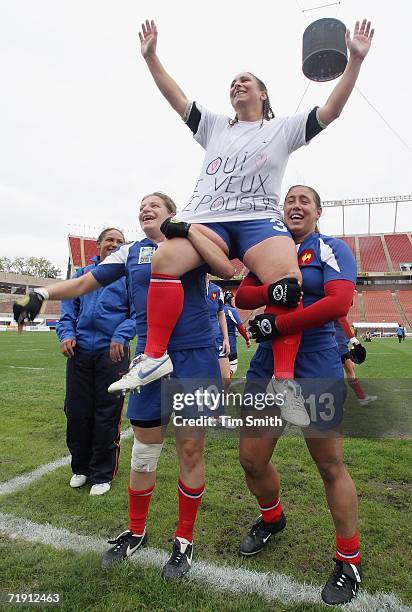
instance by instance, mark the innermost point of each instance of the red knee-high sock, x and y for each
(356, 386)
(189, 502)
(139, 502)
(164, 305)
(285, 348)
(272, 511)
(347, 549)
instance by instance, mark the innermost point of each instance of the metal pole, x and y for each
(343, 220)
(369, 219)
(396, 214)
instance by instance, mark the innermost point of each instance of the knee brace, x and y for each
(145, 456)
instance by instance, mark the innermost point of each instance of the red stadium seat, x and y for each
(400, 249)
(405, 299)
(380, 307)
(372, 254)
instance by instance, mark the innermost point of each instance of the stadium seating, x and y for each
(354, 313)
(372, 255)
(399, 248)
(350, 241)
(405, 299)
(52, 307)
(380, 307)
(81, 250)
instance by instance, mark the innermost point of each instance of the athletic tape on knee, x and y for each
(145, 456)
(233, 366)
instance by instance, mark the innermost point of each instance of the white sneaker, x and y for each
(143, 370)
(78, 480)
(100, 489)
(293, 409)
(224, 423)
(367, 400)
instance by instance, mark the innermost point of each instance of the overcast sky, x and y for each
(84, 134)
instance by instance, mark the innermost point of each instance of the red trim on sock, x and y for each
(356, 386)
(139, 502)
(271, 512)
(347, 549)
(165, 299)
(189, 502)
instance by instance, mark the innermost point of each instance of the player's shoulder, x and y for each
(337, 245)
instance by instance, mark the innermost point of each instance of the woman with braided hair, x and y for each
(235, 203)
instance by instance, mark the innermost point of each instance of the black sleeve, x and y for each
(194, 118)
(312, 125)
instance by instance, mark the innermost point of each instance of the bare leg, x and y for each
(339, 487)
(261, 475)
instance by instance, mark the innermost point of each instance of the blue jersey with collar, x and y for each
(133, 260)
(232, 321)
(96, 319)
(215, 305)
(321, 259)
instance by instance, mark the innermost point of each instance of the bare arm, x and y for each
(223, 327)
(358, 47)
(167, 86)
(72, 288)
(211, 253)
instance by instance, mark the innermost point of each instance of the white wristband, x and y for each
(187, 111)
(322, 125)
(42, 291)
(354, 341)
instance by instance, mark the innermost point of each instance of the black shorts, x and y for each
(345, 357)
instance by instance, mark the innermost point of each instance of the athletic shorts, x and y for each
(220, 353)
(240, 236)
(320, 376)
(191, 369)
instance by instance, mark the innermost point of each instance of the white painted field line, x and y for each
(29, 350)
(25, 480)
(271, 586)
(25, 368)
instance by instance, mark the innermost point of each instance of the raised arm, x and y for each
(167, 86)
(28, 307)
(358, 47)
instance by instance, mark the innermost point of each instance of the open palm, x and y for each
(360, 44)
(148, 38)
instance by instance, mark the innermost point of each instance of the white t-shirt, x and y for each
(243, 167)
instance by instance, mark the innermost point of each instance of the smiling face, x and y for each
(110, 241)
(247, 94)
(153, 211)
(301, 211)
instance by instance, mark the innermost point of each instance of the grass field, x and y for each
(33, 433)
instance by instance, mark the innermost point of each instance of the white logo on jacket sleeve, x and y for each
(328, 256)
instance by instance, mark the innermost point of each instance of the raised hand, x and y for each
(148, 38)
(360, 44)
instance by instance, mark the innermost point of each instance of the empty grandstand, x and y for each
(14, 285)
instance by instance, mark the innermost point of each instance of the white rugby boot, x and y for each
(143, 370)
(367, 400)
(293, 408)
